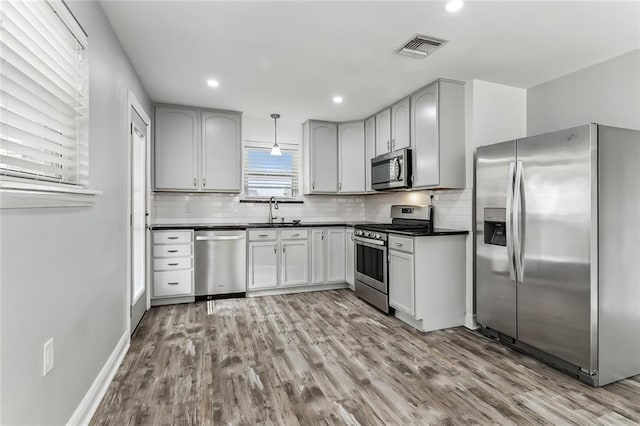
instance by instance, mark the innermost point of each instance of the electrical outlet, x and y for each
(47, 357)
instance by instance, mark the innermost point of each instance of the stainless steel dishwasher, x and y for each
(220, 262)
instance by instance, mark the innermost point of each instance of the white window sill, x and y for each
(19, 195)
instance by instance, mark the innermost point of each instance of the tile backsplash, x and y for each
(452, 208)
(171, 208)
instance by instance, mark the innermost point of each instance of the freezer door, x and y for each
(495, 286)
(552, 229)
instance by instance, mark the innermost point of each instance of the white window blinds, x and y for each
(266, 175)
(44, 93)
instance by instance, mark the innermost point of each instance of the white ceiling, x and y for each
(293, 57)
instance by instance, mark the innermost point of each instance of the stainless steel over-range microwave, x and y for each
(392, 170)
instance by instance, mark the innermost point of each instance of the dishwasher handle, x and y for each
(220, 238)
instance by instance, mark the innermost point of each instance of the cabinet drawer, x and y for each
(294, 234)
(170, 263)
(172, 250)
(400, 243)
(263, 235)
(172, 283)
(171, 237)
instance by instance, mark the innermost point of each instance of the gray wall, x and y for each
(606, 93)
(63, 269)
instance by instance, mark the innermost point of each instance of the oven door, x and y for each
(371, 263)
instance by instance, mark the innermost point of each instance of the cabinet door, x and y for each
(424, 134)
(295, 262)
(221, 152)
(351, 157)
(383, 132)
(263, 264)
(323, 140)
(335, 255)
(400, 130)
(349, 256)
(317, 256)
(175, 150)
(401, 282)
(369, 149)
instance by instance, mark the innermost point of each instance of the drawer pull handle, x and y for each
(173, 283)
(295, 235)
(399, 244)
(263, 235)
(173, 264)
(172, 251)
(172, 238)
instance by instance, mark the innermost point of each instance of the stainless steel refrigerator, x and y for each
(558, 248)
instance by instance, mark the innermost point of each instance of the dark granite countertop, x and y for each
(432, 233)
(228, 226)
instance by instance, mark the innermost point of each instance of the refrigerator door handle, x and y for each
(517, 222)
(509, 219)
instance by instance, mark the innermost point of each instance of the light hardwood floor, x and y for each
(327, 357)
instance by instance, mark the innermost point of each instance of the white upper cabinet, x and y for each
(221, 154)
(351, 157)
(400, 130)
(177, 137)
(369, 149)
(437, 135)
(321, 157)
(197, 150)
(383, 132)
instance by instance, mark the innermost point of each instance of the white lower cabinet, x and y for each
(335, 255)
(328, 256)
(280, 261)
(402, 292)
(318, 256)
(349, 257)
(172, 264)
(263, 264)
(427, 280)
(295, 263)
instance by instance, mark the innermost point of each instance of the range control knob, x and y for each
(367, 233)
(378, 236)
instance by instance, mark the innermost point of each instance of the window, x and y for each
(44, 96)
(267, 175)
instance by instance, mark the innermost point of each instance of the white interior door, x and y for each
(138, 211)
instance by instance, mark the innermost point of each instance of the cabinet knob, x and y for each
(204, 182)
(195, 182)
(340, 186)
(283, 249)
(275, 248)
(313, 186)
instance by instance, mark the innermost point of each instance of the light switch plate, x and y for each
(47, 357)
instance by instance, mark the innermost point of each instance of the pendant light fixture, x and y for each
(275, 150)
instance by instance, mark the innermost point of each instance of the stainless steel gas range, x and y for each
(371, 276)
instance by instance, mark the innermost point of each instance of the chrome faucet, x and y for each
(273, 203)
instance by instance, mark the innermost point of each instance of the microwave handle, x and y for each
(397, 167)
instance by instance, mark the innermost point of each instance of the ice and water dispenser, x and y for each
(495, 226)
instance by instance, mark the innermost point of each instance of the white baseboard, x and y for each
(470, 321)
(291, 290)
(91, 400)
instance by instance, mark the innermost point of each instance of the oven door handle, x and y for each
(368, 242)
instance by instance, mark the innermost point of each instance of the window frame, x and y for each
(26, 192)
(284, 146)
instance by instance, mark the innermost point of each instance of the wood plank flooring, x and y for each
(329, 358)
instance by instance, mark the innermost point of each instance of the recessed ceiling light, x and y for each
(337, 99)
(454, 5)
(213, 83)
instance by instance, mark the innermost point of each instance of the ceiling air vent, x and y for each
(420, 46)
